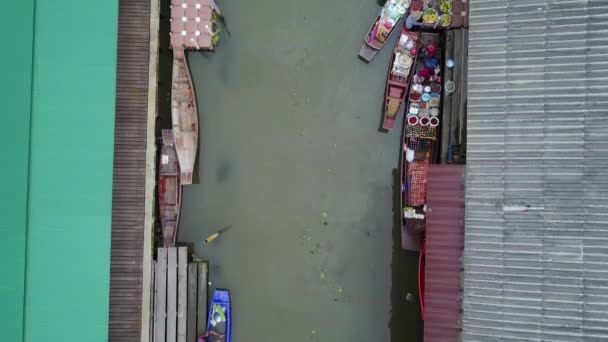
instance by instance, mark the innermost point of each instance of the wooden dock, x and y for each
(180, 297)
(134, 172)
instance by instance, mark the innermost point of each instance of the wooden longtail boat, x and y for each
(399, 76)
(184, 115)
(219, 321)
(169, 190)
(421, 141)
(379, 33)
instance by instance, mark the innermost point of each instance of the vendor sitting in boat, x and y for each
(413, 20)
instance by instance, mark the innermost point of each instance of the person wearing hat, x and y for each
(413, 20)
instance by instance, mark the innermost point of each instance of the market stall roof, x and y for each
(444, 246)
(191, 24)
(536, 229)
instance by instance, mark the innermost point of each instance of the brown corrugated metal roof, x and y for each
(444, 248)
(126, 269)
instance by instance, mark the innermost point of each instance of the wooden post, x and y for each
(172, 295)
(201, 311)
(161, 296)
(182, 295)
(191, 321)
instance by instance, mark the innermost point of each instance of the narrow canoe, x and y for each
(372, 43)
(397, 82)
(219, 322)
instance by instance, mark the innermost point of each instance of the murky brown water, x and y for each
(291, 157)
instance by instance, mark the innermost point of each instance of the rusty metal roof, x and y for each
(444, 247)
(536, 232)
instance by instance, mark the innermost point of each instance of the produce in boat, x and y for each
(383, 26)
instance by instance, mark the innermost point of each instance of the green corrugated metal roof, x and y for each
(62, 192)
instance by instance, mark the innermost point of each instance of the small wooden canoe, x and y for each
(399, 76)
(219, 321)
(184, 115)
(169, 190)
(378, 34)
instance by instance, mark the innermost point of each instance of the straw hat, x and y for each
(405, 61)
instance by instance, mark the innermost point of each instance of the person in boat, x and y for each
(413, 20)
(210, 336)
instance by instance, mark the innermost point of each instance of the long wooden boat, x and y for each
(219, 327)
(419, 140)
(184, 115)
(169, 190)
(390, 15)
(399, 76)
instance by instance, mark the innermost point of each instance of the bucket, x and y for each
(434, 121)
(412, 120)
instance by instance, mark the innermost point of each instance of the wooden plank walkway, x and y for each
(180, 297)
(128, 193)
(160, 293)
(201, 311)
(182, 294)
(192, 297)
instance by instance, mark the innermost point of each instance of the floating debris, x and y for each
(322, 276)
(339, 290)
(409, 297)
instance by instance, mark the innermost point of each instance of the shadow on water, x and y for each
(405, 323)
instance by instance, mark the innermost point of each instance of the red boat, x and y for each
(169, 190)
(184, 115)
(381, 29)
(399, 76)
(421, 277)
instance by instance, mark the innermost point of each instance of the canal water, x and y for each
(291, 159)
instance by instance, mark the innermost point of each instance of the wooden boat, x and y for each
(399, 76)
(219, 319)
(422, 277)
(391, 14)
(169, 190)
(184, 115)
(421, 141)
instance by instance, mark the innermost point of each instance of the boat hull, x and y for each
(220, 317)
(184, 116)
(169, 190)
(367, 53)
(422, 277)
(371, 47)
(414, 175)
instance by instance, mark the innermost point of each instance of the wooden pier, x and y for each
(180, 297)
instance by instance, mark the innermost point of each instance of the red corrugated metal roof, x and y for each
(444, 247)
